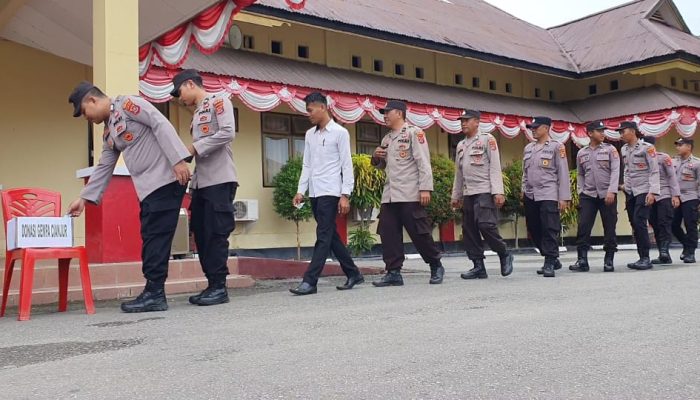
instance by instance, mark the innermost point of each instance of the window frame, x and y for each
(291, 134)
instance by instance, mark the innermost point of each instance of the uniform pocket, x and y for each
(224, 220)
(546, 161)
(423, 223)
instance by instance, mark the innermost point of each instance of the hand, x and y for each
(563, 205)
(76, 207)
(191, 149)
(380, 152)
(499, 199)
(182, 173)
(610, 199)
(675, 201)
(424, 198)
(298, 199)
(456, 204)
(343, 205)
(650, 199)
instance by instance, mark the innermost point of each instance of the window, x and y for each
(282, 135)
(378, 66)
(538, 93)
(492, 85)
(551, 94)
(369, 136)
(164, 108)
(459, 80)
(685, 84)
(592, 89)
(276, 47)
(398, 69)
(696, 86)
(356, 62)
(509, 88)
(453, 140)
(420, 73)
(475, 82)
(673, 81)
(248, 42)
(303, 51)
(614, 84)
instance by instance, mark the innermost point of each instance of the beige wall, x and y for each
(42, 144)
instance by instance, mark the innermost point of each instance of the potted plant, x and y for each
(286, 183)
(365, 197)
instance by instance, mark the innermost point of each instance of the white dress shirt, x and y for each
(327, 165)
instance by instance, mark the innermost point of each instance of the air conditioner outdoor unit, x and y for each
(246, 210)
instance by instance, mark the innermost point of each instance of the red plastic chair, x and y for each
(28, 202)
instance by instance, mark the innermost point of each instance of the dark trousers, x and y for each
(588, 208)
(480, 217)
(212, 222)
(325, 209)
(660, 219)
(638, 214)
(688, 213)
(159, 213)
(544, 225)
(393, 217)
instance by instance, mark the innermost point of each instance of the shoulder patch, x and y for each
(420, 135)
(651, 151)
(131, 107)
(562, 151)
(668, 161)
(493, 145)
(219, 106)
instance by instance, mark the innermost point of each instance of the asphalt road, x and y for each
(622, 335)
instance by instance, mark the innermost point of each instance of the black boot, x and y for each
(437, 272)
(608, 261)
(557, 265)
(685, 250)
(664, 255)
(581, 264)
(689, 256)
(643, 263)
(478, 272)
(151, 299)
(548, 268)
(506, 264)
(391, 278)
(215, 293)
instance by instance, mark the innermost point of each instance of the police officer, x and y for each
(154, 155)
(661, 214)
(687, 168)
(598, 166)
(214, 181)
(405, 157)
(641, 185)
(478, 189)
(546, 191)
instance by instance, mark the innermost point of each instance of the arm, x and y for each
(305, 168)
(226, 132)
(421, 153)
(614, 171)
(458, 184)
(654, 183)
(98, 181)
(495, 173)
(346, 163)
(675, 186)
(144, 113)
(563, 174)
(581, 175)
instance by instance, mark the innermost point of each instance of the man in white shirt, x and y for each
(327, 174)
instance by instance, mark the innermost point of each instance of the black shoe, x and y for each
(689, 258)
(351, 282)
(478, 272)
(664, 255)
(151, 299)
(303, 289)
(557, 265)
(642, 264)
(548, 269)
(436, 274)
(506, 264)
(391, 278)
(581, 264)
(608, 262)
(213, 295)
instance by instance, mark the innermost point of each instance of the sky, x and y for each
(548, 13)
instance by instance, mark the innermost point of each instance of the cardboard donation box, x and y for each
(33, 232)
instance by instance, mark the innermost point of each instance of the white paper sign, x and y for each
(37, 232)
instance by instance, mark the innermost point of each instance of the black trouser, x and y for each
(661, 218)
(480, 217)
(544, 224)
(588, 208)
(393, 217)
(688, 212)
(212, 222)
(325, 209)
(159, 213)
(638, 214)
